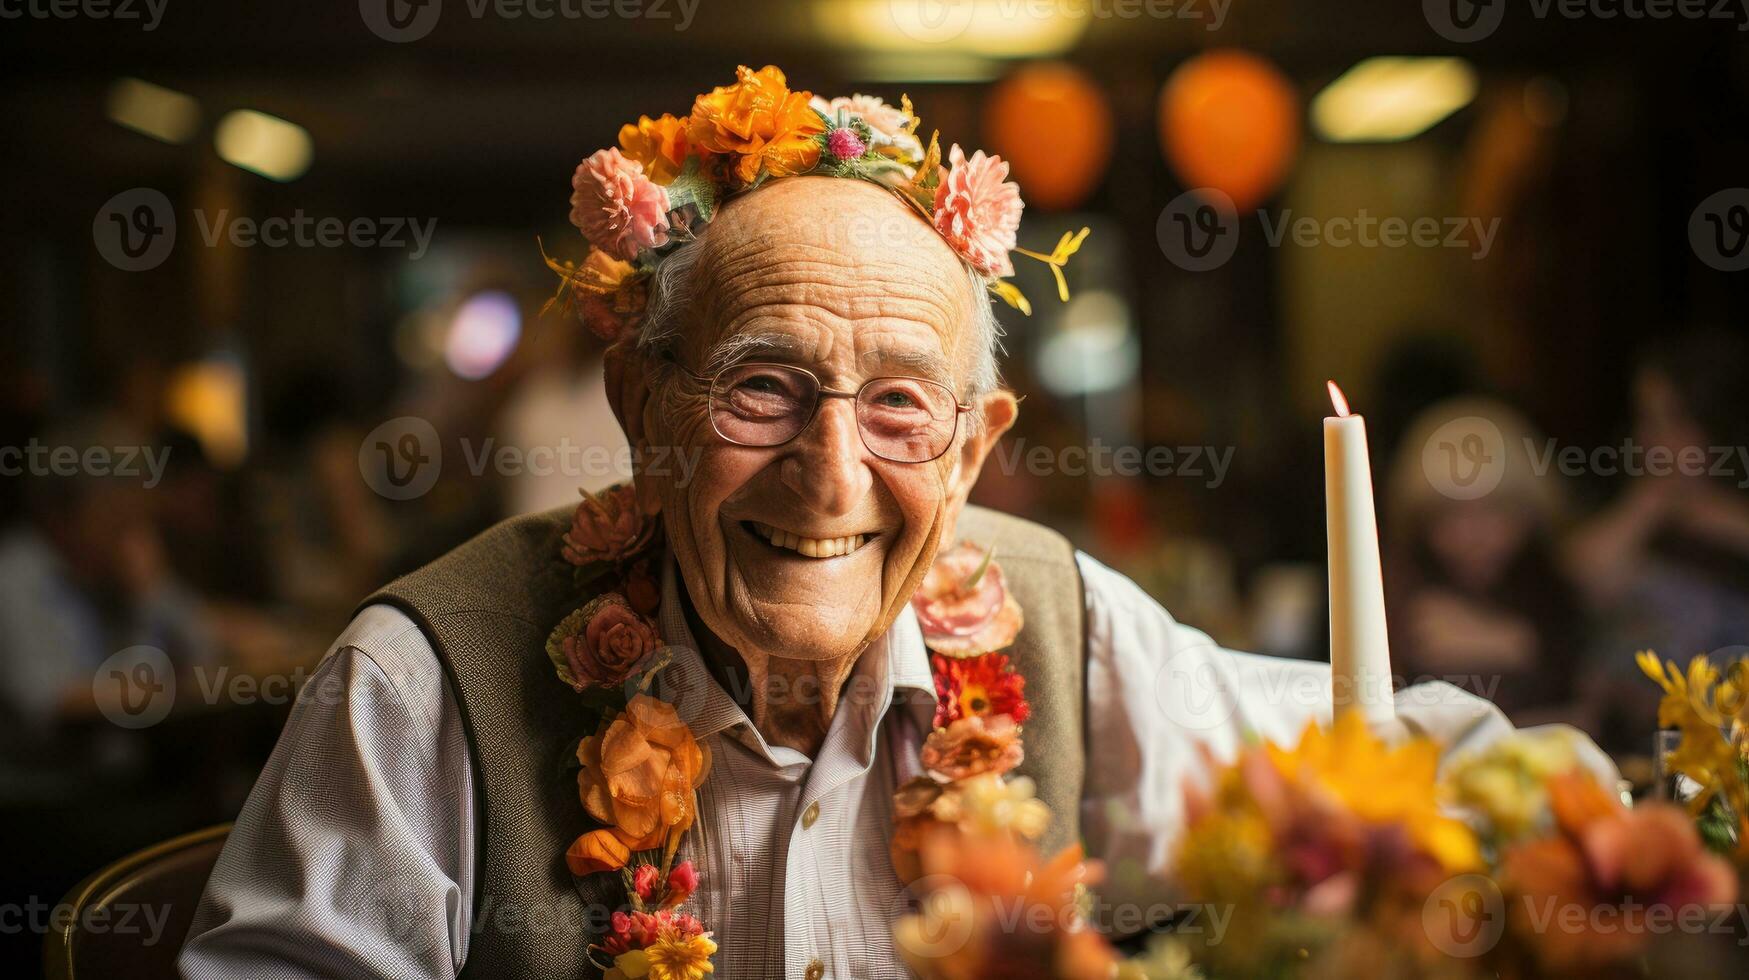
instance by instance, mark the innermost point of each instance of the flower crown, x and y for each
(666, 179)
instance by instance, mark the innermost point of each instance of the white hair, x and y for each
(673, 290)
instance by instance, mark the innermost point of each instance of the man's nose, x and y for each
(825, 466)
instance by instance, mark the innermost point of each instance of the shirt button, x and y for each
(816, 969)
(811, 814)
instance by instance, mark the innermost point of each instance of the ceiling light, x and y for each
(153, 110)
(263, 144)
(1382, 100)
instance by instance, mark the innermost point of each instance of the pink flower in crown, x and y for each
(963, 605)
(845, 144)
(607, 526)
(977, 209)
(617, 208)
(603, 643)
(893, 126)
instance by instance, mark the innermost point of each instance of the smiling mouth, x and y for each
(807, 547)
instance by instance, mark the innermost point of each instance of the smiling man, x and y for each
(825, 350)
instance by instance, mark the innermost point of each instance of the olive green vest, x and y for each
(487, 608)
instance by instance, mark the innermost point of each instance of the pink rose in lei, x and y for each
(961, 618)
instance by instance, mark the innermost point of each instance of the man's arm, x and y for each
(353, 856)
(1159, 692)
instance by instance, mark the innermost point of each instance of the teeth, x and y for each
(810, 547)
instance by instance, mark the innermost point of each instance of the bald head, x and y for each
(819, 249)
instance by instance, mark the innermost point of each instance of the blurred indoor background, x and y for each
(1572, 288)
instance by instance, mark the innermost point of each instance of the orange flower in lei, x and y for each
(759, 123)
(638, 777)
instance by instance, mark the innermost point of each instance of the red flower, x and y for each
(636, 930)
(644, 881)
(978, 686)
(682, 882)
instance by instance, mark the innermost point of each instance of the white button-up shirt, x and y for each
(371, 783)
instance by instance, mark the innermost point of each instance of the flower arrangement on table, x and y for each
(1349, 856)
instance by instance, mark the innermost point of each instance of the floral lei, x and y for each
(639, 771)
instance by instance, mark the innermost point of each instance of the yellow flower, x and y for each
(1380, 783)
(760, 122)
(988, 806)
(1506, 782)
(631, 965)
(676, 957)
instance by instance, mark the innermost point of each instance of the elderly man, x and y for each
(411, 820)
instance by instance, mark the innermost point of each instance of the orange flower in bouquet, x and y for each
(759, 124)
(638, 776)
(1597, 892)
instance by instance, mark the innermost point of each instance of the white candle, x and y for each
(1360, 653)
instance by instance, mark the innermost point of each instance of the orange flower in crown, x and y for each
(759, 121)
(659, 144)
(637, 202)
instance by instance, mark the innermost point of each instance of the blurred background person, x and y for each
(1665, 565)
(1476, 595)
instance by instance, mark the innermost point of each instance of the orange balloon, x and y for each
(1229, 120)
(1051, 123)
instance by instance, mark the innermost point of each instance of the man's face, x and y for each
(841, 278)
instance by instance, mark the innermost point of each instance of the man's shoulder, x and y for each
(1015, 538)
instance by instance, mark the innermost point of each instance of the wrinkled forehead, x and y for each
(836, 271)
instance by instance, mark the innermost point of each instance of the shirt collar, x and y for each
(897, 661)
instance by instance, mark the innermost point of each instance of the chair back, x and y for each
(129, 919)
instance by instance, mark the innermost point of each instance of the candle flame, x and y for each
(1337, 399)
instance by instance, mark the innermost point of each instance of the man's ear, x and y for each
(997, 412)
(626, 373)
